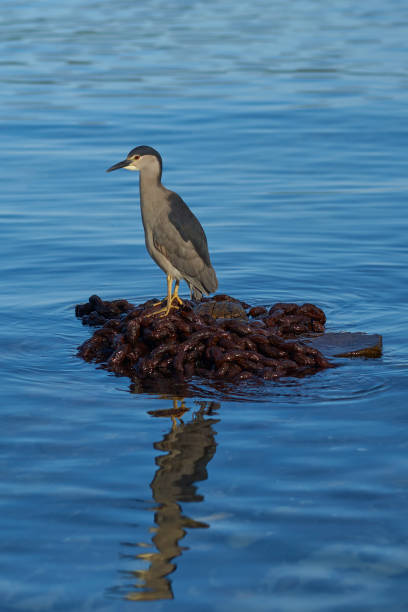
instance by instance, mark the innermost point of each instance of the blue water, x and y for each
(284, 127)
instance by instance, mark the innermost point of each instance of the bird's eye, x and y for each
(136, 157)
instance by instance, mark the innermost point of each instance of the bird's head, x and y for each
(140, 158)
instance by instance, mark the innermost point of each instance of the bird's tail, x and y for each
(208, 284)
(195, 294)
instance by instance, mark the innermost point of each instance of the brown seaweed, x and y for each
(255, 343)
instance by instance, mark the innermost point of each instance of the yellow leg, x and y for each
(175, 294)
(169, 291)
(171, 297)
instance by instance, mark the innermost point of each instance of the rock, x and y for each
(224, 309)
(347, 344)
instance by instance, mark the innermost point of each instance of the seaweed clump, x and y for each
(199, 340)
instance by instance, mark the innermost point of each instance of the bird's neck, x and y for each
(151, 194)
(149, 181)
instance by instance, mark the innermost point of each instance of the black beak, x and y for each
(122, 164)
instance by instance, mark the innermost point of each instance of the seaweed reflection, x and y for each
(189, 447)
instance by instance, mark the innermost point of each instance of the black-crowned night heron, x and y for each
(174, 236)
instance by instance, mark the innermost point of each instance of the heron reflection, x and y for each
(189, 446)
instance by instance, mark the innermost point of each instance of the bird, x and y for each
(174, 237)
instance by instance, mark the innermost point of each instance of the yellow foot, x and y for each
(166, 309)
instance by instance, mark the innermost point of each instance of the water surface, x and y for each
(283, 125)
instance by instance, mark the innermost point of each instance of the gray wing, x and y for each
(181, 239)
